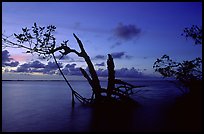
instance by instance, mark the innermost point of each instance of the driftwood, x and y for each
(113, 93)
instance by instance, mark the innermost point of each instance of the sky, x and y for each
(134, 33)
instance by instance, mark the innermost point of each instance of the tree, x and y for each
(186, 113)
(41, 40)
(194, 33)
(187, 72)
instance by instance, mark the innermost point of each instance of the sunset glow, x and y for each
(135, 33)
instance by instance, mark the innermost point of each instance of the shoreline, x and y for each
(100, 80)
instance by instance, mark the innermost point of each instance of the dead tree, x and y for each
(111, 76)
(43, 43)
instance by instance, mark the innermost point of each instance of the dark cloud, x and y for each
(126, 32)
(6, 56)
(41, 58)
(123, 72)
(52, 65)
(23, 68)
(12, 64)
(51, 68)
(71, 69)
(102, 72)
(37, 66)
(128, 56)
(115, 55)
(30, 67)
(118, 55)
(7, 61)
(99, 57)
(100, 64)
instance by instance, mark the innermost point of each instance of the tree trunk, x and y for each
(111, 76)
(94, 76)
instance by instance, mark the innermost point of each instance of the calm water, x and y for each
(40, 106)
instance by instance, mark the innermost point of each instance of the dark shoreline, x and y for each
(86, 80)
(37, 80)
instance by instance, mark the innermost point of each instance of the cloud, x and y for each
(12, 64)
(22, 68)
(21, 57)
(126, 32)
(30, 67)
(71, 69)
(99, 57)
(118, 55)
(51, 68)
(41, 58)
(115, 55)
(7, 60)
(37, 66)
(100, 64)
(102, 72)
(52, 65)
(123, 72)
(128, 56)
(6, 56)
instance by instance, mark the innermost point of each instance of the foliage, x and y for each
(40, 40)
(187, 72)
(194, 33)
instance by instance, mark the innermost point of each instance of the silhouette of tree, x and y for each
(187, 72)
(194, 33)
(186, 113)
(41, 40)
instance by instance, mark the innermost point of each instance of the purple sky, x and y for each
(135, 33)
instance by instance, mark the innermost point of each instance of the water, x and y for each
(45, 106)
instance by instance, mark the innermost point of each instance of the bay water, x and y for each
(46, 106)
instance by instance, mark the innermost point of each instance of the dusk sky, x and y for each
(135, 33)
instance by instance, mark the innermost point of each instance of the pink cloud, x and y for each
(20, 57)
